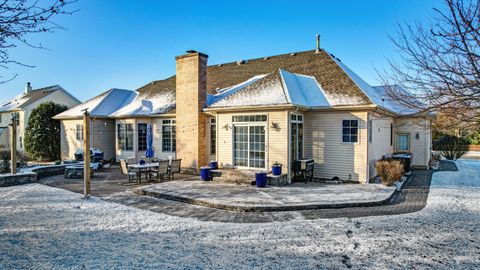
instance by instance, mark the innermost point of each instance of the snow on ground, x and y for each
(44, 227)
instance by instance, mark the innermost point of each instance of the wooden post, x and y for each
(86, 154)
(13, 145)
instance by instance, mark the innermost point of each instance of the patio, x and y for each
(297, 196)
(109, 183)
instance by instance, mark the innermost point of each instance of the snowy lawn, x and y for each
(44, 227)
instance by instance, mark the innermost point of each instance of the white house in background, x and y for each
(250, 114)
(22, 106)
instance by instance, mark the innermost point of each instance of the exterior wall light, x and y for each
(227, 127)
(417, 136)
(275, 125)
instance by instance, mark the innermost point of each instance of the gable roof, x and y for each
(23, 100)
(102, 105)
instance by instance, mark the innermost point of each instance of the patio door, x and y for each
(249, 146)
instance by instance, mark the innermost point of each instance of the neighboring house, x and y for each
(252, 113)
(22, 106)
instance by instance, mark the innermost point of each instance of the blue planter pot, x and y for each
(276, 170)
(213, 165)
(261, 179)
(206, 173)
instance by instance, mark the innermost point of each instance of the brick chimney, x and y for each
(191, 96)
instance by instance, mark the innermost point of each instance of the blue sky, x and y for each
(126, 44)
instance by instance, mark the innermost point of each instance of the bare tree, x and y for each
(439, 68)
(20, 18)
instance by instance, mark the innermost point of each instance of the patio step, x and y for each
(235, 176)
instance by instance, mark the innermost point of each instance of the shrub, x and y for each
(451, 147)
(389, 170)
(42, 138)
(5, 157)
(474, 138)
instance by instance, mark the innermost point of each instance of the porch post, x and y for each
(86, 154)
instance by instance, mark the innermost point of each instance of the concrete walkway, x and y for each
(298, 196)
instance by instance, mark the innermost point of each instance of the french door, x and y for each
(249, 146)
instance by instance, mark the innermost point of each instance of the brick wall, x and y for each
(191, 94)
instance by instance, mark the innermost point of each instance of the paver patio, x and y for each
(298, 196)
(107, 185)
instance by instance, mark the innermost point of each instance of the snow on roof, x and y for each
(262, 90)
(389, 103)
(25, 99)
(102, 105)
(143, 105)
(282, 87)
(304, 90)
(225, 92)
(378, 94)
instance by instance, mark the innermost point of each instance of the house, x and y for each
(250, 114)
(22, 105)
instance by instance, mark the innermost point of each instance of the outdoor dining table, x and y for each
(143, 167)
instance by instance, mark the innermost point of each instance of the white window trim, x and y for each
(171, 135)
(79, 138)
(409, 142)
(290, 131)
(358, 131)
(265, 124)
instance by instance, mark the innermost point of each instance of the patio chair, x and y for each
(174, 168)
(161, 170)
(125, 171)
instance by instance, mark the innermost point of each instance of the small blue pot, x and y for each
(213, 165)
(206, 173)
(277, 169)
(261, 179)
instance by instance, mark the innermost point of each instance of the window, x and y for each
(16, 117)
(249, 118)
(213, 136)
(403, 142)
(296, 136)
(125, 137)
(370, 131)
(142, 137)
(391, 134)
(169, 143)
(350, 131)
(249, 146)
(79, 132)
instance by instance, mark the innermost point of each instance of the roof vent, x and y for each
(241, 62)
(220, 65)
(293, 54)
(266, 58)
(317, 49)
(191, 51)
(338, 59)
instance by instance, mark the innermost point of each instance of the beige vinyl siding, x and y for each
(421, 147)
(276, 139)
(380, 144)
(102, 136)
(323, 143)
